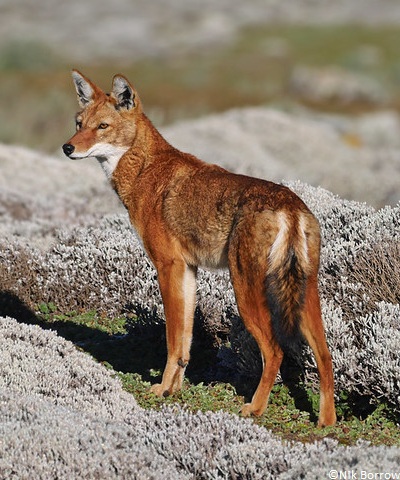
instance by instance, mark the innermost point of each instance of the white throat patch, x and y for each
(108, 156)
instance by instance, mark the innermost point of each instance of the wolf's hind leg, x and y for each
(313, 330)
(250, 298)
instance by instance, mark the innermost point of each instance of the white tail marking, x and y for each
(303, 246)
(279, 247)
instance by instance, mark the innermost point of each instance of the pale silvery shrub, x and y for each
(101, 265)
(62, 415)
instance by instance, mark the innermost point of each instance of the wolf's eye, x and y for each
(102, 126)
(78, 125)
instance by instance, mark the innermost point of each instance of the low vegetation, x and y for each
(135, 355)
(97, 289)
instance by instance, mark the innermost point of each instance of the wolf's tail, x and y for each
(286, 280)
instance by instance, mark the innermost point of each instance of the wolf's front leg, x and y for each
(178, 290)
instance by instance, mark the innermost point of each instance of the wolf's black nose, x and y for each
(68, 149)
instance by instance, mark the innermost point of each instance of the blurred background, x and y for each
(319, 58)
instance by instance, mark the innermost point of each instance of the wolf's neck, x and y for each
(148, 149)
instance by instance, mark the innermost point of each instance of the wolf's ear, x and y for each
(123, 93)
(85, 89)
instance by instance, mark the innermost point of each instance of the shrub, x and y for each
(64, 416)
(100, 265)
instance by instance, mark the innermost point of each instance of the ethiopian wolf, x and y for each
(191, 214)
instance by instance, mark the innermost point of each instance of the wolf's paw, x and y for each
(246, 410)
(327, 420)
(159, 390)
(249, 409)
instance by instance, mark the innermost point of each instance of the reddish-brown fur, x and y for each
(189, 214)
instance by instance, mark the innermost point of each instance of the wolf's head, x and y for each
(106, 123)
